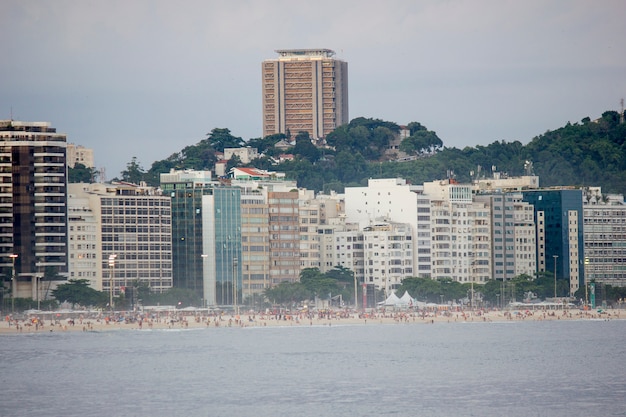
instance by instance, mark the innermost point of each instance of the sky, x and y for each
(145, 78)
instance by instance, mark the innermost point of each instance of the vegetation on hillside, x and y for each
(587, 153)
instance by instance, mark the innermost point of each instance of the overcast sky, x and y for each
(147, 78)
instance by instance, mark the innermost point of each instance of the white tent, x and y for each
(392, 300)
(406, 300)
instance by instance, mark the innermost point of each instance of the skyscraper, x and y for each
(206, 236)
(304, 90)
(560, 240)
(33, 205)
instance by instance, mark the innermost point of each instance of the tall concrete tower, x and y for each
(304, 90)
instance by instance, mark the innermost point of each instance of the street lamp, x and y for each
(111, 268)
(356, 300)
(206, 291)
(13, 257)
(586, 291)
(555, 256)
(235, 263)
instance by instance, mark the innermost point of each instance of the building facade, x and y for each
(85, 236)
(513, 235)
(221, 246)
(388, 254)
(560, 240)
(605, 238)
(132, 240)
(310, 215)
(33, 206)
(77, 154)
(460, 233)
(255, 247)
(120, 237)
(284, 238)
(304, 90)
(206, 236)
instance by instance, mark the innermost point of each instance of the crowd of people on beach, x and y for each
(185, 320)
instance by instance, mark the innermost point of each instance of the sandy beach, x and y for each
(172, 320)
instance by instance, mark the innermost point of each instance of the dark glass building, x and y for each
(33, 206)
(560, 243)
(206, 236)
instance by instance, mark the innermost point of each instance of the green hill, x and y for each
(590, 153)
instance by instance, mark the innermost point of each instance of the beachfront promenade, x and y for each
(180, 320)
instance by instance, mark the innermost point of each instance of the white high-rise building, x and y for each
(513, 235)
(605, 237)
(310, 214)
(461, 233)
(85, 237)
(132, 240)
(389, 199)
(388, 248)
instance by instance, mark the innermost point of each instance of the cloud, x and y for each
(146, 78)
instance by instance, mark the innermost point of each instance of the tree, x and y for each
(80, 173)
(318, 284)
(305, 149)
(423, 289)
(133, 173)
(349, 166)
(233, 162)
(222, 138)
(415, 127)
(341, 274)
(287, 293)
(421, 142)
(78, 291)
(451, 289)
(263, 145)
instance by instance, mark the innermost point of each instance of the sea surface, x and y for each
(551, 368)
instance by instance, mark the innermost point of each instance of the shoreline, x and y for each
(185, 322)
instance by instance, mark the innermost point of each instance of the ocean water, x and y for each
(557, 368)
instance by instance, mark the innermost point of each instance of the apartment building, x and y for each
(257, 254)
(132, 240)
(304, 90)
(345, 244)
(255, 246)
(389, 199)
(85, 237)
(310, 215)
(33, 205)
(245, 154)
(78, 154)
(284, 238)
(388, 254)
(605, 237)
(460, 233)
(513, 235)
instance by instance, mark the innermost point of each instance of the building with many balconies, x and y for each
(605, 237)
(33, 206)
(304, 90)
(126, 230)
